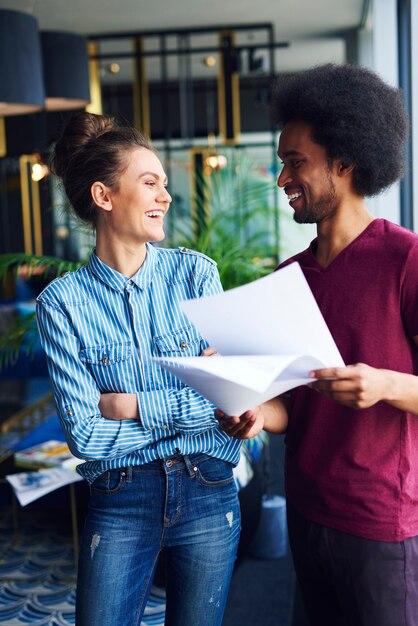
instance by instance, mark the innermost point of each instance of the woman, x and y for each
(159, 469)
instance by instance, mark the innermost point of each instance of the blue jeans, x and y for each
(187, 506)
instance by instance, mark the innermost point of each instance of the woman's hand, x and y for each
(245, 426)
(209, 351)
(271, 415)
(119, 406)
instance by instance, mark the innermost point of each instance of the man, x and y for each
(352, 435)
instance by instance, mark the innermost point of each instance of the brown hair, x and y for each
(93, 148)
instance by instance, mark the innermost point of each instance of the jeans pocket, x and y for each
(109, 482)
(213, 472)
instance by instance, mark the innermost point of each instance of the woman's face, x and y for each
(138, 206)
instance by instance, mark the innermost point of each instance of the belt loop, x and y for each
(191, 467)
(128, 474)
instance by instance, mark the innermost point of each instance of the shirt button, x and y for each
(105, 359)
(183, 345)
(69, 413)
(184, 249)
(165, 425)
(169, 463)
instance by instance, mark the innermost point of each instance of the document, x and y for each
(270, 333)
(29, 486)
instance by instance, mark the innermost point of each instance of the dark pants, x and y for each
(350, 581)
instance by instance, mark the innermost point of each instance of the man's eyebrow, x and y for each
(149, 173)
(290, 153)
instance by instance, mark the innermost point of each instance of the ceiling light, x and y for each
(66, 70)
(113, 68)
(216, 162)
(21, 84)
(209, 61)
(39, 171)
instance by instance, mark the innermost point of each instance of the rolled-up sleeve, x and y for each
(89, 434)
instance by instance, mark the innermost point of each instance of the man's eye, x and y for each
(150, 183)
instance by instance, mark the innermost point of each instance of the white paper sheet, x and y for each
(29, 486)
(270, 334)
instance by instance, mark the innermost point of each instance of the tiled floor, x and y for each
(37, 575)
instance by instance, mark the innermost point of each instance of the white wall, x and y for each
(378, 50)
(414, 120)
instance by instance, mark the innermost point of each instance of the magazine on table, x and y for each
(29, 486)
(53, 467)
(50, 453)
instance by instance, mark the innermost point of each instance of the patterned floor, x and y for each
(37, 576)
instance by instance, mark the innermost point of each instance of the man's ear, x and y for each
(101, 196)
(344, 168)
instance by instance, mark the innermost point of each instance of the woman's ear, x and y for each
(101, 196)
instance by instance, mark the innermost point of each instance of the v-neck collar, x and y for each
(314, 246)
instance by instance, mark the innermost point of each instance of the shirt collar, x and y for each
(118, 281)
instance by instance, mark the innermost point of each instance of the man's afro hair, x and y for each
(356, 116)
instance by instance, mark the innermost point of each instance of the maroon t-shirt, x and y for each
(357, 470)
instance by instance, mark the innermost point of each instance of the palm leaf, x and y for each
(48, 264)
(21, 336)
(238, 231)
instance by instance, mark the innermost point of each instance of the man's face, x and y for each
(307, 176)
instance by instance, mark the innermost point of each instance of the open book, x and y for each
(270, 334)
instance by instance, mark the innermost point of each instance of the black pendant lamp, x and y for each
(21, 76)
(66, 72)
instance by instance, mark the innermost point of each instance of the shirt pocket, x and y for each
(109, 364)
(183, 342)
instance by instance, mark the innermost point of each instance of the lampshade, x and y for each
(21, 77)
(66, 71)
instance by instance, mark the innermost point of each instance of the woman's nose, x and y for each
(165, 196)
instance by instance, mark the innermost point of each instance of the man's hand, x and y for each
(119, 406)
(244, 426)
(358, 386)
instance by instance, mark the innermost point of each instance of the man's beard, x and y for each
(320, 209)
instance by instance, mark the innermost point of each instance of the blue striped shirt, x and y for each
(99, 330)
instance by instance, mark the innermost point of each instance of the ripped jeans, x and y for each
(187, 506)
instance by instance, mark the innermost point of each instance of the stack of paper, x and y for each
(270, 334)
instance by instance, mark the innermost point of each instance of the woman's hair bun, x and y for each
(93, 148)
(81, 129)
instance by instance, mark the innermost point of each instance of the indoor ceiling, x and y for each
(312, 28)
(292, 19)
